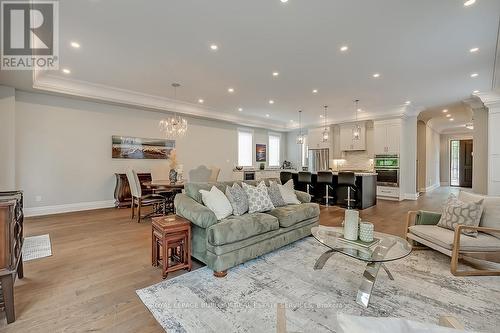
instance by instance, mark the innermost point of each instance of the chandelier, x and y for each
(300, 136)
(174, 126)
(326, 131)
(356, 130)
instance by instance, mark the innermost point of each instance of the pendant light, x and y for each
(326, 131)
(174, 126)
(300, 136)
(356, 130)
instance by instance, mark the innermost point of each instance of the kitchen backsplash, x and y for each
(355, 160)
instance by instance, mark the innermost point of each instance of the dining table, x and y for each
(167, 189)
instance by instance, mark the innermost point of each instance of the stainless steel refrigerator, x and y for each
(318, 159)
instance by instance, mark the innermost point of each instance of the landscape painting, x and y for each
(140, 148)
(260, 152)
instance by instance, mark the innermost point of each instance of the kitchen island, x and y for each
(366, 194)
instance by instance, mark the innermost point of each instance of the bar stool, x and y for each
(326, 178)
(285, 176)
(348, 180)
(305, 177)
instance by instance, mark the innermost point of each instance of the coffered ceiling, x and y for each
(134, 50)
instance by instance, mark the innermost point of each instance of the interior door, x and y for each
(465, 163)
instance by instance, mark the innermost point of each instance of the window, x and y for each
(245, 140)
(274, 150)
(303, 151)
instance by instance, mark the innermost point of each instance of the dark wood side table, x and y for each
(171, 243)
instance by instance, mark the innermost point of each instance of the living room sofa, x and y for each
(237, 239)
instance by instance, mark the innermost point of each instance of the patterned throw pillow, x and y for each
(238, 199)
(456, 212)
(274, 193)
(258, 199)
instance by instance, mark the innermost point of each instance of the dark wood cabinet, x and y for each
(123, 197)
(11, 244)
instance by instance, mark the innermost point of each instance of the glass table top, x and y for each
(388, 248)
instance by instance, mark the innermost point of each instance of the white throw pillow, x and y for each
(258, 198)
(288, 193)
(217, 202)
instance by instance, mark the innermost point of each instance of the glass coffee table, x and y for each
(388, 248)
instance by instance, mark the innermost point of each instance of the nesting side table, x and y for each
(171, 243)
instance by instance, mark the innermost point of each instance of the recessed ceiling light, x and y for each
(291, 120)
(475, 92)
(359, 110)
(321, 116)
(376, 75)
(275, 74)
(201, 101)
(315, 91)
(451, 119)
(474, 75)
(271, 101)
(408, 102)
(66, 71)
(448, 115)
(284, 1)
(230, 90)
(214, 47)
(75, 45)
(267, 115)
(240, 109)
(469, 3)
(344, 48)
(474, 49)
(445, 110)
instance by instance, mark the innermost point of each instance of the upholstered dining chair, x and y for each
(215, 174)
(201, 174)
(139, 200)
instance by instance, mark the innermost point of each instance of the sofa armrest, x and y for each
(303, 196)
(194, 211)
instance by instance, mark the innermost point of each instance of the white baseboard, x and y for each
(411, 196)
(73, 207)
(431, 188)
(445, 183)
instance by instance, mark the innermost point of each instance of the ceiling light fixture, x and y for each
(214, 47)
(448, 115)
(275, 74)
(469, 3)
(408, 102)
(445, 110)
(356, 130)
(315, 91)
(271, 101)
(474, 49)
(230, 90)
(376, 75)
(469, 126)
(66, 71)
(360, 110)
(326, 130)
(201, 101)
(240, 109)
(475, 92)
(174, 126)
(267, 115)
(344, 48)
(300, 137)
(75, 45)
(284, 1)
(474, 75)
(451, 119)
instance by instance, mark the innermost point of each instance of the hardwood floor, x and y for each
(99, 258)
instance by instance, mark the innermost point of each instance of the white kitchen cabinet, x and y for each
(387, 135)
(347, 143)
(315, 139)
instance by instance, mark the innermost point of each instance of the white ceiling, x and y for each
(420, 48)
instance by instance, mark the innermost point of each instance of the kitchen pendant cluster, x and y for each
(300, 136)
(356, 130)
(326, 131)
(174, 126)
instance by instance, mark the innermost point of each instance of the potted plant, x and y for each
(262, 166)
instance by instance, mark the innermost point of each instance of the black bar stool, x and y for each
(305, 177)
(326, 178)
(285, 176)
(348, 180)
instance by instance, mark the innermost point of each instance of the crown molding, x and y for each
(93, 91)
(489, 99)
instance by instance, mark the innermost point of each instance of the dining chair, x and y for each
(155, 200)
(215, 174)
(201, 174)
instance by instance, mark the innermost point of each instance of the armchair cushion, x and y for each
(445, 237)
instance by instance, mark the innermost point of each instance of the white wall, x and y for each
(432, 177)
(421, 155)
(408, 158)
(7, 138)
(480, 146)
(494, 149)
(445, 155)
(63, 147)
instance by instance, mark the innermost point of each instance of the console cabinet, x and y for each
(123, 197)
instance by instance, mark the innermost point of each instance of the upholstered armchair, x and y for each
(139, 200)
(423, 230)
(201, 174)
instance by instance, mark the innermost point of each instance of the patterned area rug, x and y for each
(245, 300)
(36, 247)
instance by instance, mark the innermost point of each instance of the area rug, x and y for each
(245, 300)
(35, 247)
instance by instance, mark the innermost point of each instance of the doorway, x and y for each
(461, 152)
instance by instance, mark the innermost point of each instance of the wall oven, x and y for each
(387, 168)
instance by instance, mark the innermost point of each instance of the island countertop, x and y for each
(335, 173)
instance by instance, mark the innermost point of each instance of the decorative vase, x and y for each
(366, 231)
(351, 223)
(172, 176)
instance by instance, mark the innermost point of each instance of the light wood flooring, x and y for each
(99, 258)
